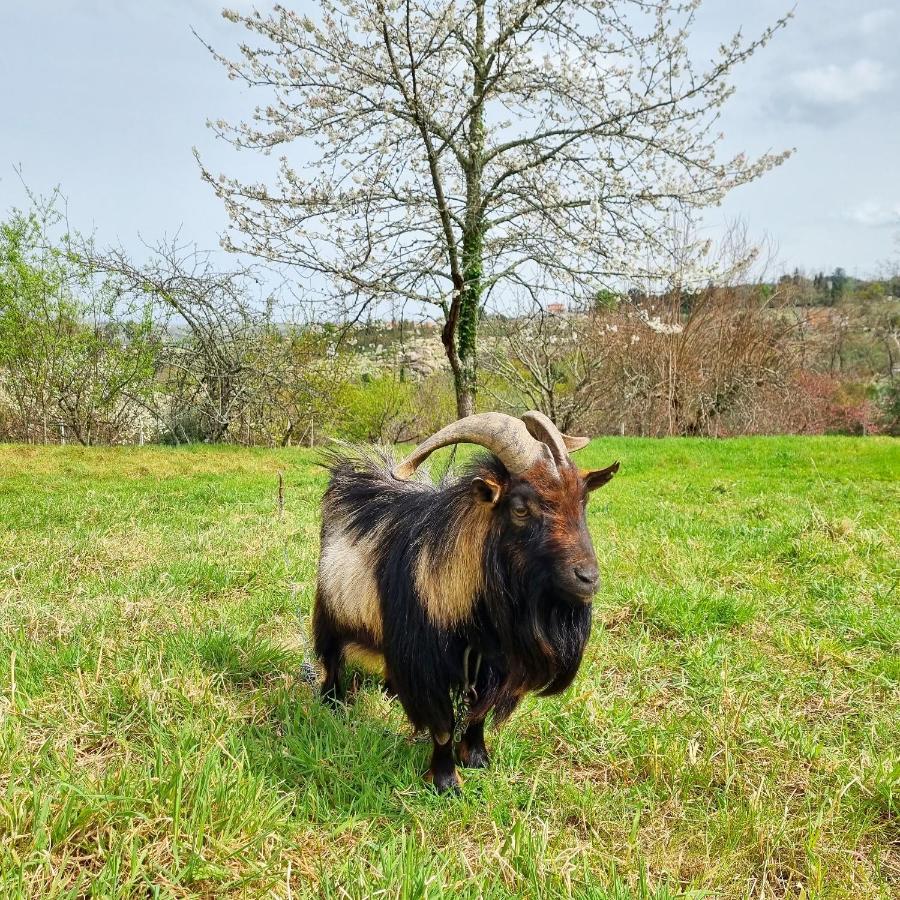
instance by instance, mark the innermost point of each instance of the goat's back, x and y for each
(363, 506)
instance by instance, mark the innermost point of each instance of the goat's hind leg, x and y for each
(333, 690)
(471, 751)
(329, 645)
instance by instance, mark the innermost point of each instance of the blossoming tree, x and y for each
(437, 151)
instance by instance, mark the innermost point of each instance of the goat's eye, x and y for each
(520, 511)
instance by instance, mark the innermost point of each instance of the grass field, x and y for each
(734, 730)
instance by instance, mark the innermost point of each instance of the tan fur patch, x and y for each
(448, 582)
(347, 575)
(367, 659)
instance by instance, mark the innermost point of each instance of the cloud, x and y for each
(872, 214)
(876, 21)
(827, 95)
(835, 85)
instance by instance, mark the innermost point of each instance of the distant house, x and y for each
(556, 309)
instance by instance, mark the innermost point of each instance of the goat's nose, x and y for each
(587, 574)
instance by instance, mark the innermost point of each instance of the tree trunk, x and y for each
(467, 329)
(465, 400)
(466, 375)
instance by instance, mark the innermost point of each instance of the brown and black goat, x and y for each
(482, 583)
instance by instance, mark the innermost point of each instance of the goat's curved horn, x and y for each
(505, 436)
(542, 428)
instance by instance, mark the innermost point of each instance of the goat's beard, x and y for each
(539, 635)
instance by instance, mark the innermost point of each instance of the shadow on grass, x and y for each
(243, 659)
(339, 763)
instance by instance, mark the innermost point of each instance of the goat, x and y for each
(481, 584)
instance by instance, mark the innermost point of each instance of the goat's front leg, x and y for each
(442, 771)
(470, 751)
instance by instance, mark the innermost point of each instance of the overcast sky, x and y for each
(107, 98)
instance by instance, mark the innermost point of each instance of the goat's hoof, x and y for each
(444, 782)
(472, 757)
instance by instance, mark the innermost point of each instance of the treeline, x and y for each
(98, 349)
(821, 289)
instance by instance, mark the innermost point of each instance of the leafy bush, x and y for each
(383, 408)
(376, 409)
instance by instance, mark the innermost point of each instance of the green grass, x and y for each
(733, 732)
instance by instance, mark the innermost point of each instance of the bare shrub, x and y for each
(702, 363)
(549, 361)
(684, 358)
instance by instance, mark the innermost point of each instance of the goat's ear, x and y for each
(487, 490)
(599, 477)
